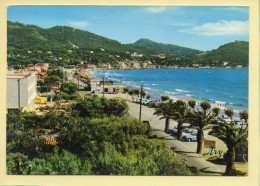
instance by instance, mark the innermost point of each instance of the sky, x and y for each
(199, 27)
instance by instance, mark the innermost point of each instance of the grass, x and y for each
(242, 166)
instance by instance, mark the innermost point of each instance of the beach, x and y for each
(223, 88)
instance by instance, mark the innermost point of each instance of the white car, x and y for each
(190, 136)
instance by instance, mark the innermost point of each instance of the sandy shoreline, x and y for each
(215, 104)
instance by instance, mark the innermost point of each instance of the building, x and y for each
(135, 54)
(92, 67)
(113, 89)
(21, 90)
(121, 65)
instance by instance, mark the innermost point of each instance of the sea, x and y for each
(227, 88)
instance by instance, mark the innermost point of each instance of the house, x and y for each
(92, 67)
(225, 63)
(113, 89)
(42, 66)
(136, 65)
(121, 65)
(135, 54)
(20, 90)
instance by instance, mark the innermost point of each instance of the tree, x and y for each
(136, 91)
(164, 97)
(179, 114)
(126, 89)
(148, 96)
(131, 92)
(69, 88)
(52, 80)
(143, 93)
(243, 115)
(192, 103)
(233, 137)
(165, 110)
(230, 113)
(99, 107)
(200, 121)
(215, 111)
(205, 105)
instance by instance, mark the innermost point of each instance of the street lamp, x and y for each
(141, 103)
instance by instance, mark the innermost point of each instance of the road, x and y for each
(185, 150)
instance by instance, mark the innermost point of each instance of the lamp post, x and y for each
(19, 103)
(141, 103)
(103, 86)
(78, 83)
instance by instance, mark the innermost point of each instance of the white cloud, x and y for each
(78, 23)
(155, 9)
(222, 27)
(234, 8)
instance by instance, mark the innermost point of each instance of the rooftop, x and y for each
(18, 75)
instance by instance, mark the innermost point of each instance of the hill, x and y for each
(33, 37)
(63, 45)
(235, 53)
(166, 48)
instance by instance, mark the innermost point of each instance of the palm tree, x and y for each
(205, 105)
(215, 111)
(233, 137)
(164, 97)
(243, 115)
(192, 103)
(229, 113)
(200, 120)
(143, 93)
(136, 91)
(165, 110)
(131, 92)
(180, 114)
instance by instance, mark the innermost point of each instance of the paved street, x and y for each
(185, 150)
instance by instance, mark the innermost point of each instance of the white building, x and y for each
(21, 90)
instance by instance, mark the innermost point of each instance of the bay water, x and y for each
(229, 86)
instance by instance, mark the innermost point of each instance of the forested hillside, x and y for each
(63, 45)
(166, 48)
(235, 53)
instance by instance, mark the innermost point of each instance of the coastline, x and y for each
(214, 103)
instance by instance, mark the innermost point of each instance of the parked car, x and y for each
(152, 104)
(137, 100)
(173, 131)
(191, 136)
(148, 102)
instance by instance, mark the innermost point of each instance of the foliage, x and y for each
(126, 89)
(215, 110)
(205, 105)
(143, 93)
(148, 96)
(192, 103)
(233, 137)
(243, 115)
(200, 121)
(64, 46)
(99, 144)
(136, 91)
(180, 115)
(99, 107)
(164, 97)
(165, 110)
(166, 48)
(55, 72)
(229, 112)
